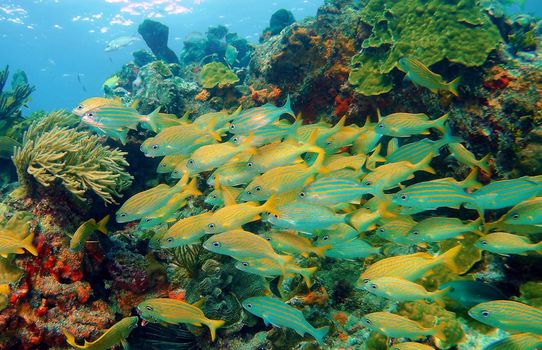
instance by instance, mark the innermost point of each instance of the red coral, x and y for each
(342, 105)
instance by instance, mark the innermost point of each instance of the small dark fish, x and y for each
(470, 293)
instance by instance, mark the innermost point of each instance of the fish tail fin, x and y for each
(423, 165)
(102, 225)
(152, 119)
(439, 330)
(192, 188)
(320, 334)
(27, 242)
(471, 181)
(448, 259)
(180, 185)
(393, 145)
(454, 85)
(438, 295)
(476, 225)
(70, 339)
(484, 164)
(213, 325)
(288, 107)
(374, 158)
(210, 128)
(321, 250)
(270, 205)
(440, 123)
(307, 273)
(340, 123)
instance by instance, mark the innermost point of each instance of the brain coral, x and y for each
(427, 30)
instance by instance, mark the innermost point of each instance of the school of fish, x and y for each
(328, 191)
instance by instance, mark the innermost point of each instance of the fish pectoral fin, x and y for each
(197, 324)
(125, 344)
(19, 251)
(3, 255)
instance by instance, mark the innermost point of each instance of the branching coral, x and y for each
(52, 152)
(429, 31)
(12, 101)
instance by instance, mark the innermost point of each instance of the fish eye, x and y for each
(328, 143)
(257, 188)
(79, 107)
(169, 240)
(163, 165)
(381, 230)
(235, 139)
(232, 126)
(249, 193)
(268, 239)
(515, 216)
(276, 216)
(249, 306)
(404, 197)
(250, 164)
(211, 226)
(485, 313)
(216, 244)
(155, 147)
(365, 280)
(368, 321)
(147, 220)
(149, 308)
(483, 242)
(368, 183)
(122, 215)
(245, 264)
(380, 125)
(325, 238)
(374, 286)
(415, 232)
(213, 196)
(302, 194)
(190, 162)
(91, 114)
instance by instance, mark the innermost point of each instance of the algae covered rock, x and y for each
(429, 31)
(156, 35)
(216, 74)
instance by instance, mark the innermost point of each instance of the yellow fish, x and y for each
(395, 326)
(401, 290)
(168, 163)
(419, 74)
(242, 245)
(114, 335)
(408, 124)
(510, 316)
(13, 245)
(410, 267)
(186, 231)
(464, 156)
(270, 268)
(80, 236)
(172, 311)
(291, 243)
(369, 138)
(280, 180)
(93, 103)
(519, 341)
(507, 243)
(412, 346)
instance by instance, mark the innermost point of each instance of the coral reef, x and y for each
(156, 35)
(216, 74)
(12, 101)
(52, 153)
(280, 19)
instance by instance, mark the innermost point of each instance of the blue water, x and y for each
(55, 41)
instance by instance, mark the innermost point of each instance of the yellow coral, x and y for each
(53, 152)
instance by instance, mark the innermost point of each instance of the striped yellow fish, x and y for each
(186, 231)
(291, 243)
(242, 245)
(343, 138)
(408, 124)
(401, 290)
(270, 268)
(269, 133)
(519, 341)
(396, 230)
(464, 156)
(410, 267)
(81, 235)
(419, 74)
(342, 161)
(233, 174)
(368, 139)
(436, 229)
(331, 191)
(279, 154)
(211, 156)
(111, 337)
(389, 176)
(528, 212)
(172, 311)
(93, 103)
(280, 180)
(233, 216)
(169, 163)
(351, 250)
(411, 346)
(510, 316)
(280, 314)
(395, 326)
(323, 130)
(219, 119)
(507, 243)
(415, 151)
(341, 233)
(257, 117)
(13, 245)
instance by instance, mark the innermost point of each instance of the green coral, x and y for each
(216, 74)
(52, 152)
(427, 30)
(12, 101)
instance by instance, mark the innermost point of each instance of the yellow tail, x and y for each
(27, 243)
(448, 259)
(213, 325)
(484, 164)
(307, 273)
(70, 339)
(102, 225)
(454, 85)
(439, 123)
(270, 205)
(192, 188)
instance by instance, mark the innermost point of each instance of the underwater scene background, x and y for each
(271, 175)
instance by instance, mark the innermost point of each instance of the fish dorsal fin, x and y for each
(227, 194)
(199, 303)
